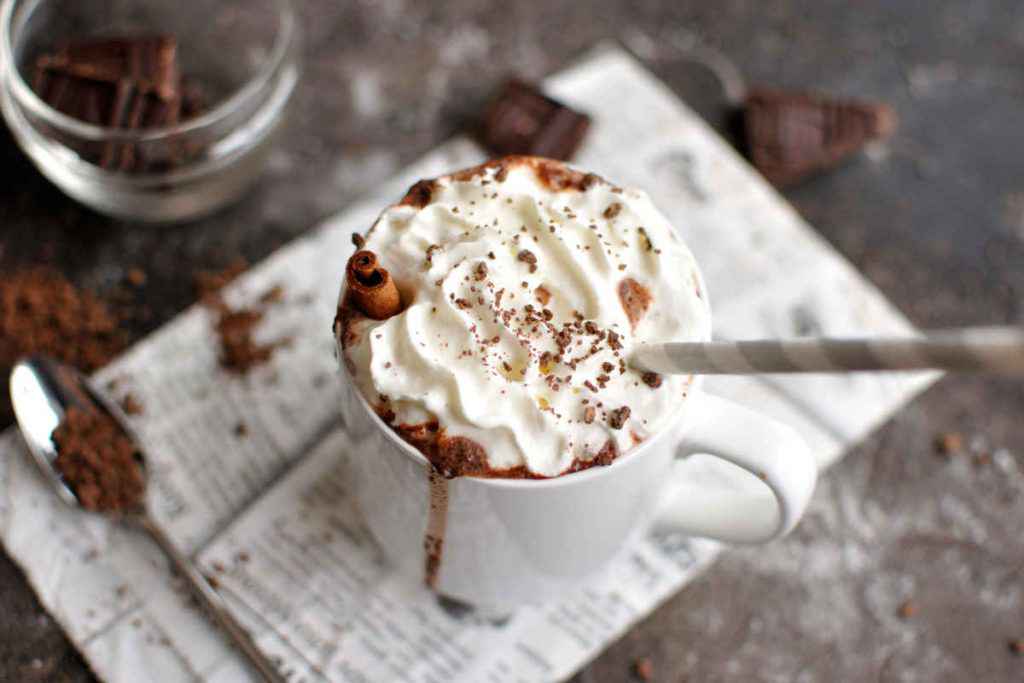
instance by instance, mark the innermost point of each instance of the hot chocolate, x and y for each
(521, 287)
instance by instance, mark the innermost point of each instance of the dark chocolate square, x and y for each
(522, 120)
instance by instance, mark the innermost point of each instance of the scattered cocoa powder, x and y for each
(274, 295)
(136, 277)
(209, 283)
(239, 350)
(907, 609)
(99, 461)
(241, 430)
(42, 312)
(130, 405)
(643, 668)
(949, 443)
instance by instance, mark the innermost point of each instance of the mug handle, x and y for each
(765, 448)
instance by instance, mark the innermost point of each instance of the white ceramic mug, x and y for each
(512, 541)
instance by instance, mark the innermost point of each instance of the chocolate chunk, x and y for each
(792, 135)
(124, 82)
(112, 105)
(522, 120)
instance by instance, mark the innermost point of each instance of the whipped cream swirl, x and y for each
(525, 287)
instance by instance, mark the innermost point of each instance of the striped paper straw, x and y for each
(997, 350)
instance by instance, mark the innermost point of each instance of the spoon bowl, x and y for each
(42, 391)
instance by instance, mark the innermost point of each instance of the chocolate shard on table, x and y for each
(793, 135)
(149, 62)
(523, 120)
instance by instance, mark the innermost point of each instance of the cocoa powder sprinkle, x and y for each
(651, 379)
(613, 210)
(98, 461)
(528, 257)
(42, 312)
(617, 418)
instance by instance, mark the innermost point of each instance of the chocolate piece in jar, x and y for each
(149, 62)
(522, 120)
(122, 83)
(790, 136)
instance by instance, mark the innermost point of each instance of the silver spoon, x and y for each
(42, 390)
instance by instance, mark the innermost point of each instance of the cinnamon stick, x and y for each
(371, 288)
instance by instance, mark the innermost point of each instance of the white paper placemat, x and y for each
(269, 512)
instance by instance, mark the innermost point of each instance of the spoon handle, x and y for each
(982, 349)
(214, 603)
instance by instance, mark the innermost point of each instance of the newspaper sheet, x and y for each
(267, 509)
